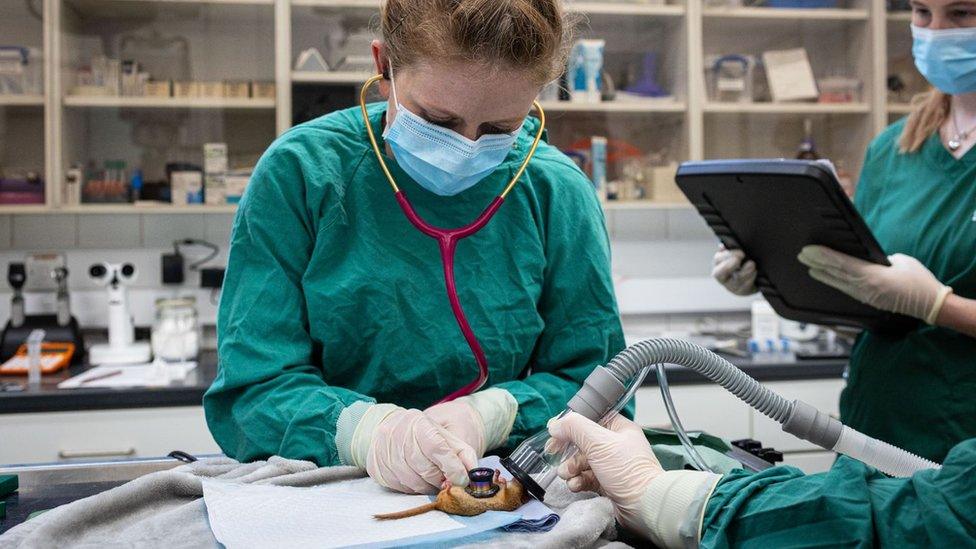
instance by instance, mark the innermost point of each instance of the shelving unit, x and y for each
(259, 39)
(824, 14)
(21, 100)
(168, 103)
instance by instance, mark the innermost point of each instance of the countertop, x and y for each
(189, 392)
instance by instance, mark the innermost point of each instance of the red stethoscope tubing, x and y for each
(447, 239)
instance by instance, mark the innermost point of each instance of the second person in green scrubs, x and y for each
(917, 193)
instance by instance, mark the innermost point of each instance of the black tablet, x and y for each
(771, 209)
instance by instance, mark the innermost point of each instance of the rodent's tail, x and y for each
(432, 506)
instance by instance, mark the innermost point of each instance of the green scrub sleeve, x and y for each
(578, 307)
(852, 505)
(269, 397)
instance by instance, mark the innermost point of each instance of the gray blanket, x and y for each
(166, 509)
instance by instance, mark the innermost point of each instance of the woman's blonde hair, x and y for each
(534, 35)
(930, 110)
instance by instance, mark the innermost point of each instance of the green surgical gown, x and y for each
(918, 391)
(332, 297)
(852, 505)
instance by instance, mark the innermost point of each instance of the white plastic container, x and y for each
(585, 74)
(21, 71)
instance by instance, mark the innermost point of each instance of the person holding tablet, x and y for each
(917, 193)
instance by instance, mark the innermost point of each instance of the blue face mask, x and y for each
(440, 160)
(946, 58)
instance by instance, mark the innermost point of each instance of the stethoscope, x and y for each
(447, 239)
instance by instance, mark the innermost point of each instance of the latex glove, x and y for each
(407, 452)
(666, 507)
(616, 461)
(483, 420)
(731, 269)
(906, 287)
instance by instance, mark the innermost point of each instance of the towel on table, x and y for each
(166, 509)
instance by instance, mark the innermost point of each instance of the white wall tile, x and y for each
(216, 229)
(662, 258)
(109, 231)
(6, 232)
(639, 224)
(45, 232)
(159, 231)
(688, 225)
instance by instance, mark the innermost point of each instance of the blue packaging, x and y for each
(598, 164)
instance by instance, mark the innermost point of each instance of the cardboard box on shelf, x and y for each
(158, 88)
(210, 89)
(187, 187)
(236, 89)
(262, 90)
(214, 158)
(214, 189)
(182, 88)
(665, 190)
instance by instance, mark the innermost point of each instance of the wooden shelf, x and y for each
(167, 102)
(649, 106)
(787, 108)
(333, 77)
(763, 14)
(22, 100)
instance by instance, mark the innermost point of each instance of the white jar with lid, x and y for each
(176, 330)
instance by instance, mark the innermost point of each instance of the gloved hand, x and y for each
(404, 450)
(483, 420)
(616, 461)
(906, 287)
(663, 506)
(731, 269)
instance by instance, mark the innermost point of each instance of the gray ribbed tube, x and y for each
(647, 353)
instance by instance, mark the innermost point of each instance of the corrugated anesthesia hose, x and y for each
(608, 388)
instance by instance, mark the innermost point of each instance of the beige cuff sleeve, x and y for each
(937, 306)
(362, 434)
(497, 408)
(673, 506)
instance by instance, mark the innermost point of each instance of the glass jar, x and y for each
(176, 330)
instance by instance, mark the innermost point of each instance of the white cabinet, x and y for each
(706, 407)
(823, 394)
(714, 410)
(103, 434)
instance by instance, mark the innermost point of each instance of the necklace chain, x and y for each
(956, 141)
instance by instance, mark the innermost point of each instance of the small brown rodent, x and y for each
(455, 501)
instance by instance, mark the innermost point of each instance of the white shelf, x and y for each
(824, 14)
(24, 209)
(589, 8)
(900, 16)
(132, 209)
(625, 8)
(22, 100)
(334, 77)
(167, 102)
(788, 108)
(649, 106)
(899, 108)
(206, 2)
(649, 205)
(360, 4)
